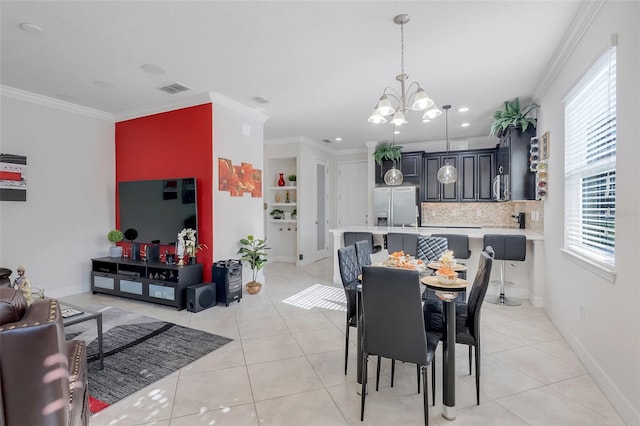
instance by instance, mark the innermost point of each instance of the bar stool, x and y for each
(350, 238)
(397, 241)
(506, 247)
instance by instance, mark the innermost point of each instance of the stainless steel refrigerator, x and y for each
(395, 205)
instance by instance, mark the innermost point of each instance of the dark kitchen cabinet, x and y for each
(475, 175)
(433, 190)
(512, 160)
(410, 165)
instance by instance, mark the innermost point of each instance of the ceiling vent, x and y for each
(261, 99)
(327, 141)
(175, 88)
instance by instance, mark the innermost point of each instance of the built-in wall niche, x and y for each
(282, 201)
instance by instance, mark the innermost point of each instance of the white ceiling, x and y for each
(323, 65)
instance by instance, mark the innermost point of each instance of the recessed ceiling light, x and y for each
(104, 84)
(67, 98)
(465, 125)
(463, 109)
(426, 120)
(153, 69)
(338, 139)
(396, 132)
(31, 28)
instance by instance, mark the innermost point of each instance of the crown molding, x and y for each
(34, 98)
(236, 106)
(200, 99)
(586, 14)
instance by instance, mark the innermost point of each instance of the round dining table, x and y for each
(448, 293)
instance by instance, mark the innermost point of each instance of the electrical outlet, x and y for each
(583, 312)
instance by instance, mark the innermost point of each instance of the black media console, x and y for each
(151, 282)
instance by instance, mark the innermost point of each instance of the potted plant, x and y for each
(387, 151)
(253, 252)
(513, 115)
(292, 179)
(115, 236)
(277, 213)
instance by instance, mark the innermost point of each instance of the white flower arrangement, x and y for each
(187, 240)
(187, 237)
(447, 256)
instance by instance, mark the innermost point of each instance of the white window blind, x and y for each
(590, 162)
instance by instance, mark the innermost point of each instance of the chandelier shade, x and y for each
(447, 173)
(411, 97)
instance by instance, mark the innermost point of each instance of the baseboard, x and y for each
(66, 291)
(625, 410)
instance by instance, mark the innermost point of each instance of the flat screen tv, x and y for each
(158, 209)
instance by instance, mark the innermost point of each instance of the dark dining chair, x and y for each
(398, 241)
(363, 254)
(430, 248)
(349, 270)
(393, 323)
(467, 314)
(351, 238)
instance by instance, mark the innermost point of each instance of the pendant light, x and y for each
(393, 176)
(447, 173)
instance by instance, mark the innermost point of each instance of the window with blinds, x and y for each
(590, 163)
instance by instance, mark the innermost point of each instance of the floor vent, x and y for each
(175, 88)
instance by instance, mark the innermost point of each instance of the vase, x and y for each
(281, 180)
(192, 260)
(115, 251)
(253, 287)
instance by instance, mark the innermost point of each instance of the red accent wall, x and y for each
(170, 145)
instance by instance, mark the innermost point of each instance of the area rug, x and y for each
(138, 351)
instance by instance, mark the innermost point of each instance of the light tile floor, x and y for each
(286, 367)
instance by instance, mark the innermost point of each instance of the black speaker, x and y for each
(135, 251)
(201, 296)
(153, 253)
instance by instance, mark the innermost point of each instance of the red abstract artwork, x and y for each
(239, 179)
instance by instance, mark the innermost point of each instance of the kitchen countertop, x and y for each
(474, 232)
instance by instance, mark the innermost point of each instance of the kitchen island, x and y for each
(528, 276)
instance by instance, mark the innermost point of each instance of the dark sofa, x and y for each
(43, 378)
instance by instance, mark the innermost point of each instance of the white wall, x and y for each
(607, 339)
(237, 136)
(70, 203)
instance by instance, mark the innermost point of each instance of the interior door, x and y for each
(352, 193)
(322, 209)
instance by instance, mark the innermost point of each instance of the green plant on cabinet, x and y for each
(513, 115)
(387, 151)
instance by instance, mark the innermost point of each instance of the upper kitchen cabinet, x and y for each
(512, 161)
(475, 175)
(410, 165)
(476, 171)
(432, 190)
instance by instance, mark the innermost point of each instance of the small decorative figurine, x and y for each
(23, 284)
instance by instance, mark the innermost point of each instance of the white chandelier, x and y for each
(412, 94)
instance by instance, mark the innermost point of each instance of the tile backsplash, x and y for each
(497, 215)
